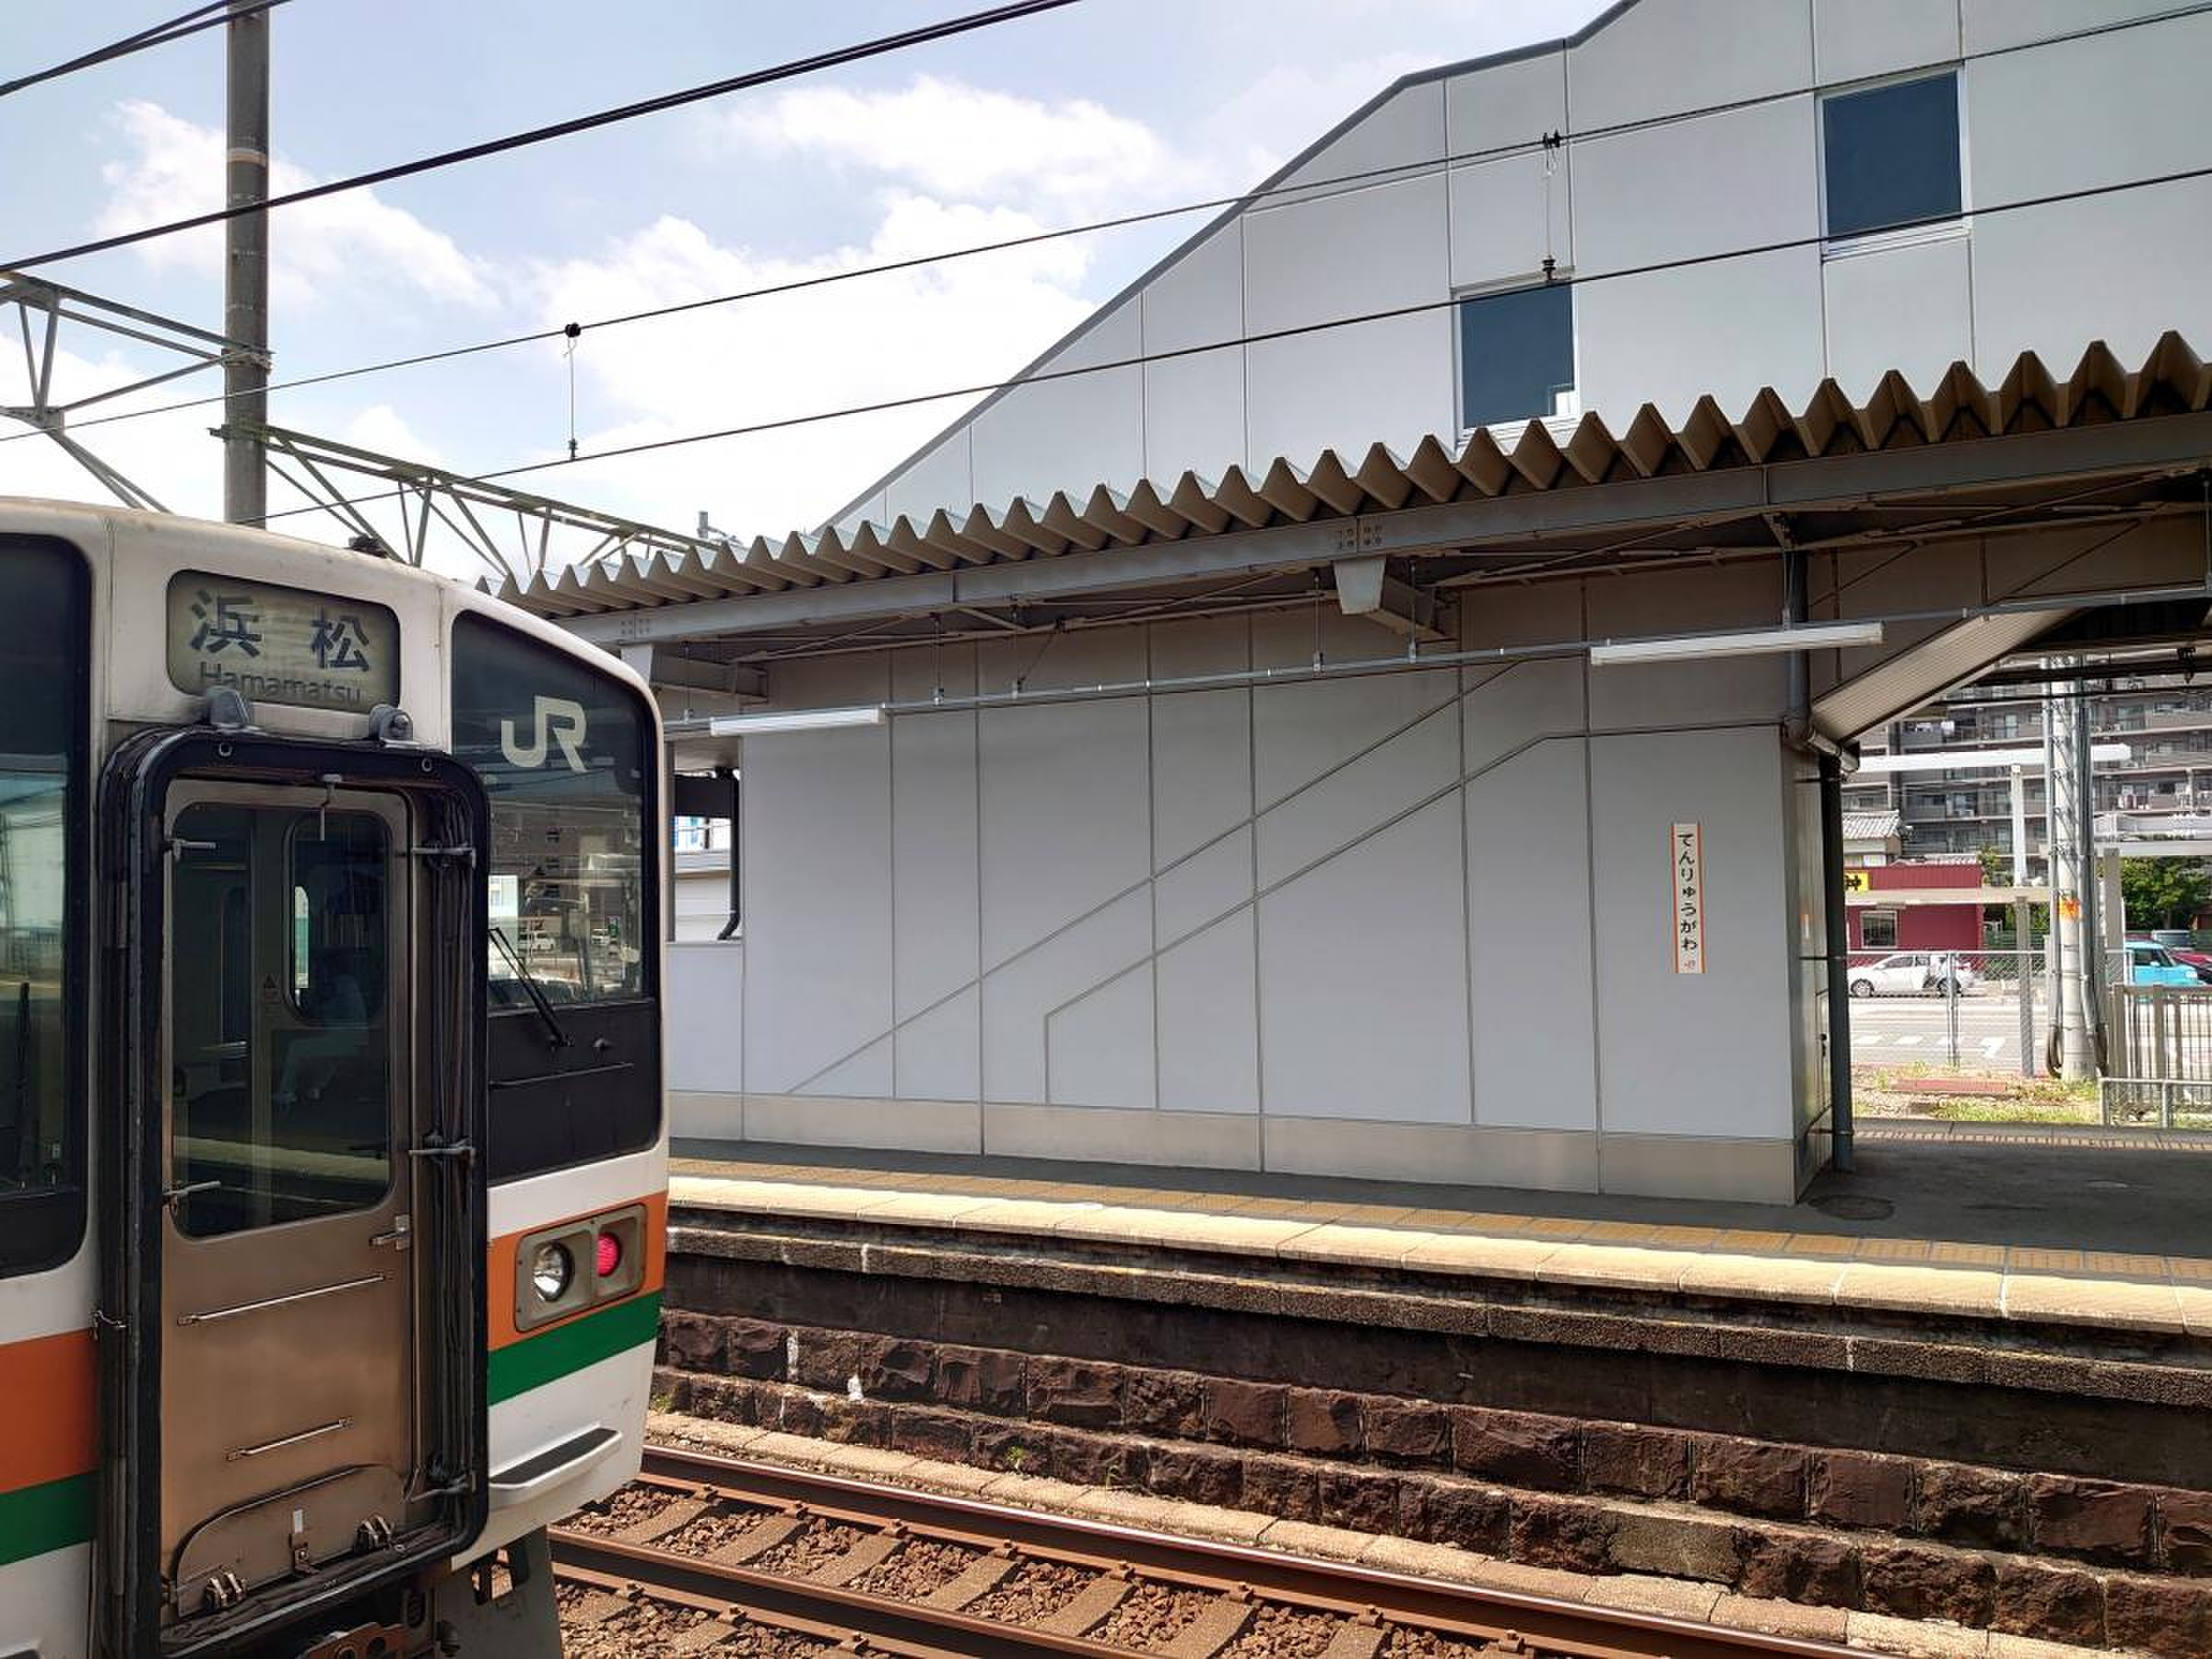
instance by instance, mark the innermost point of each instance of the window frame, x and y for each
(1885, 914)
(651, 856)
(44, 1228)
(1845, 244)
(1562, 277)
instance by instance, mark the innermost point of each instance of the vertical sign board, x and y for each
(1686, 850)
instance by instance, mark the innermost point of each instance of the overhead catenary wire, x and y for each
(212, 16)
(1295, 331)
(836, 57)
(1550, 145)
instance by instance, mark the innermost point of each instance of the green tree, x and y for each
(1996, 867)
(2163, 892)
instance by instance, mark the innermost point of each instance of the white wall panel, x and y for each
(1407, 127)
(818, 915)
(1661, 694)
(1388, 382)
(706, 991)
(1065, 821)
(1506, 216)
(1201, 768)
(1738, 179)
(1195, 416)
(1019, 997)
(1341, 255)
(1300, 731)
(943, 477)
(1206, 885)
(1906, 308)
(1508, 103)
(1098, 1049)
(1728, 329)
(2054, 279)
(1661, 56)
(1363, 981)
(1855, 39)
(1208, 1021)
(1200, 298)
(1528, 912)
(1068, 434)
(2120, 106)
(1194, 406)
(1504, 710)
(1993, 24)
(1704, 1053)
(937, 1054)
(1335, 811)
(933, 853)
(863, 1075)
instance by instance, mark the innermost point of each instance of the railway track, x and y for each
(714, 1554)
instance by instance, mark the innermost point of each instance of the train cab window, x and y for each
(572, 948)
(43, 686)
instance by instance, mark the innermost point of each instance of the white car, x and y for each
(1913, 973)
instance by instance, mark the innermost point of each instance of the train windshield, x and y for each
(562, 755)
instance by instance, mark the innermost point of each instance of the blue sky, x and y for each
(1106, 107)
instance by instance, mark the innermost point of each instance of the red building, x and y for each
(1912, 923)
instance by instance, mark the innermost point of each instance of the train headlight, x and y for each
(551, 1269)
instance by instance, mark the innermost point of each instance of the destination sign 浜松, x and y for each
(281, 644)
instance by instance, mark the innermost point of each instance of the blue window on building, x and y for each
(1892, 154)
(1516, 354)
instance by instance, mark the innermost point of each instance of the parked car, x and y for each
(1914, 973)
(2199, 960)
(2149, 964)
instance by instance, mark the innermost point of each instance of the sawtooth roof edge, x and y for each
(2171, 379)
(1105, 309)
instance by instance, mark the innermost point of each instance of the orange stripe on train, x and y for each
(498, 1276)
(49, 1427)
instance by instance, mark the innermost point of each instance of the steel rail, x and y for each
(1347, 1590)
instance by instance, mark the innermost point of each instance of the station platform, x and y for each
(1966, 1383)
(2020, 1225)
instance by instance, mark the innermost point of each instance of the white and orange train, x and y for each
(333, 1162)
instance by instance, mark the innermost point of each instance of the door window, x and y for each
(281, 1051)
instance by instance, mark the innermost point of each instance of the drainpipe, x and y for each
(1839, 965)
(729, 928)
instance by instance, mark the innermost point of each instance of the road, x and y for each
(1904, 1029)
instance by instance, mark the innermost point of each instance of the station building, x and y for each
(1270, 734)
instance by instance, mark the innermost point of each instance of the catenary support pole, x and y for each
(2022, 945)
(246, 269)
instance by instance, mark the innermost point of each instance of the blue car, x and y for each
(2154, 965)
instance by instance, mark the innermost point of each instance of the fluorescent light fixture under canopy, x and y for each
(1761, 641)
(794, 720)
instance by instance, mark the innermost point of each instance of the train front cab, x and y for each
(348, 1026)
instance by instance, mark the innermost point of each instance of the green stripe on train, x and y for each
(51, 1515)
(537, 1361)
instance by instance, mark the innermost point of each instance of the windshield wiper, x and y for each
(528, 982)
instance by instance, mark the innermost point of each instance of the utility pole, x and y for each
(246, 268)
(2062, 804)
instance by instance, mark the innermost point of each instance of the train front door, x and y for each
(288, 1397)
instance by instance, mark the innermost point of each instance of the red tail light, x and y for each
(608, 1258)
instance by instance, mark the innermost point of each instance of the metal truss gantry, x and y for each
(43, 307)
(429, 499)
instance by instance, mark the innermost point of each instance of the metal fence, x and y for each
(2158, 1055)
(1960, 1010)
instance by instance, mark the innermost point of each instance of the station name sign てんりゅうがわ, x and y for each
(1686, 852)
(281, 644)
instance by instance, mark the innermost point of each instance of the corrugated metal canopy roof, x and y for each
(1957, 408)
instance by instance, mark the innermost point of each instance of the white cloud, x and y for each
(347, 241)
(951, 139)
(871, 339)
